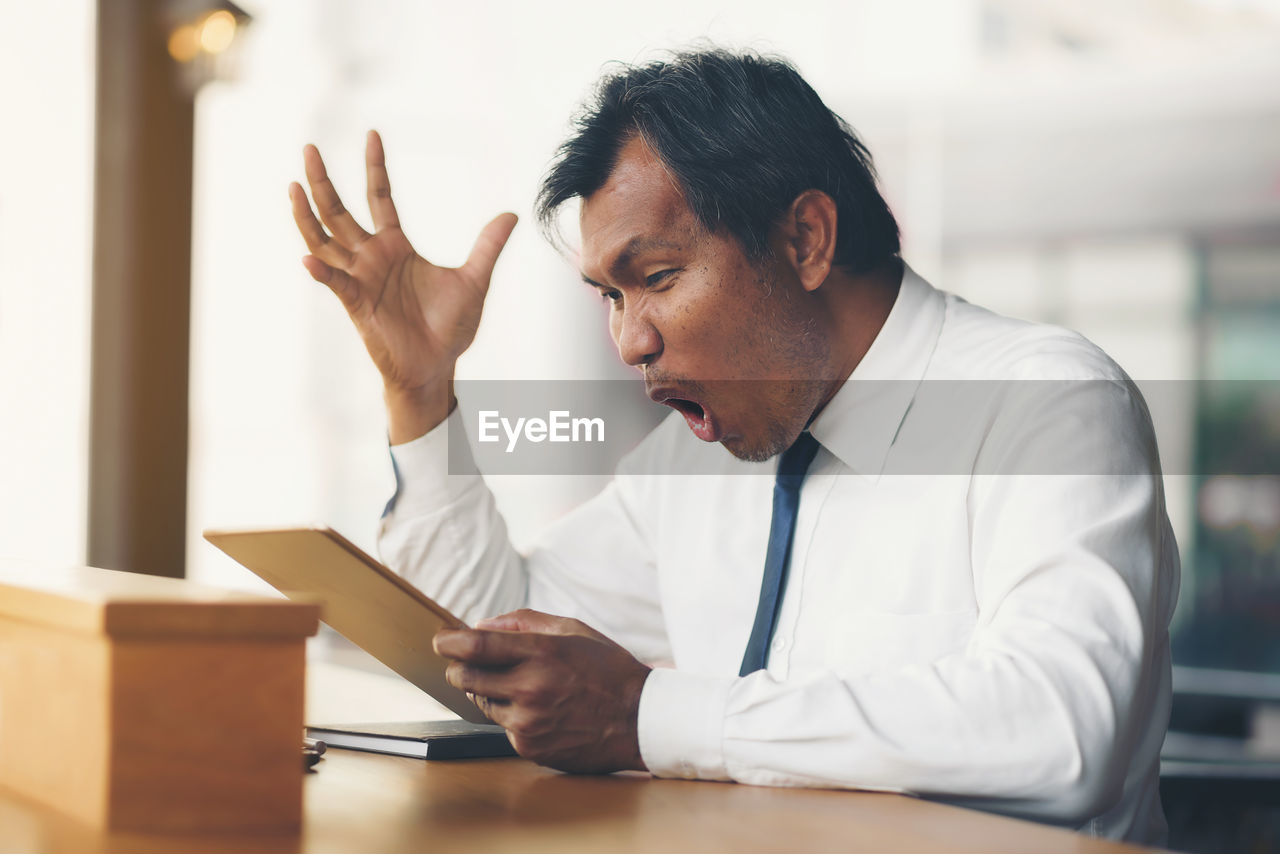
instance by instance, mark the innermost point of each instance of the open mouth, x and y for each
(695, 415)
(688, 408)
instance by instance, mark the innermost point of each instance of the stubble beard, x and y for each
(799, 349)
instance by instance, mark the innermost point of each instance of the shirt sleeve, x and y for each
(443, 533)
(1075, 577)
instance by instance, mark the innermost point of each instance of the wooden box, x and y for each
(151, 704)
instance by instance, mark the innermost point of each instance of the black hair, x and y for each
(743, 135)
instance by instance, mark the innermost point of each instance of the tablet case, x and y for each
(360, 598)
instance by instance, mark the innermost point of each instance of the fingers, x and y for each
(318, 241)
(333, 213)
(490, 706)
(504, 713)
(496, 686)
(487, 648)
(379, 185)
(336, 280)
(484, 254)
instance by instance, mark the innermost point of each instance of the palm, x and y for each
(416, 318)
(412, 315)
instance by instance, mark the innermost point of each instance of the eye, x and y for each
(658, 277)
(613, 297)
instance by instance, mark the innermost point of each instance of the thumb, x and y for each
(525, 620)
(528, 620)
(484, 254)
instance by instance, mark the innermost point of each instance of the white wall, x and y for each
(46, 194)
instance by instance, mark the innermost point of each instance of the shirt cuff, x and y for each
(681, 724)
(434, 470)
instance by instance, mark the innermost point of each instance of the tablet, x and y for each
(361, 599)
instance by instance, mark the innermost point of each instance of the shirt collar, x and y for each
(860, 422)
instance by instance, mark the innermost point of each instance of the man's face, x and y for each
(731, 344)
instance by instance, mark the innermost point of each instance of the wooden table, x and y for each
(360, 803)
(364, 803)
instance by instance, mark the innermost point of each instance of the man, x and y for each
(955, 587)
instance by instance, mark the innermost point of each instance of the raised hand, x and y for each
(416, 318)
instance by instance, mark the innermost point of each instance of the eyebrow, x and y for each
(634, 247)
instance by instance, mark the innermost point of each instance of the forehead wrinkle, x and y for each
(639, 198)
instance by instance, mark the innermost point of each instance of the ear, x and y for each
(806, 236)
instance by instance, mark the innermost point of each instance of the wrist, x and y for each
(414, 412)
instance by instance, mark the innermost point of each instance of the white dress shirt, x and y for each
(979, 594)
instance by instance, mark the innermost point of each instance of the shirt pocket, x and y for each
(876, 642)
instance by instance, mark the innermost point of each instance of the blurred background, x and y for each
(1114, 168)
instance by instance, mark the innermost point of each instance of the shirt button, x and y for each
(779, 644)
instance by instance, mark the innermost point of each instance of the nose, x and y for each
(636, 337)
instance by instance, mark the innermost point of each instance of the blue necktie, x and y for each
(782, 530)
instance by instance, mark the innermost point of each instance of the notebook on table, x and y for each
(420, 740)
